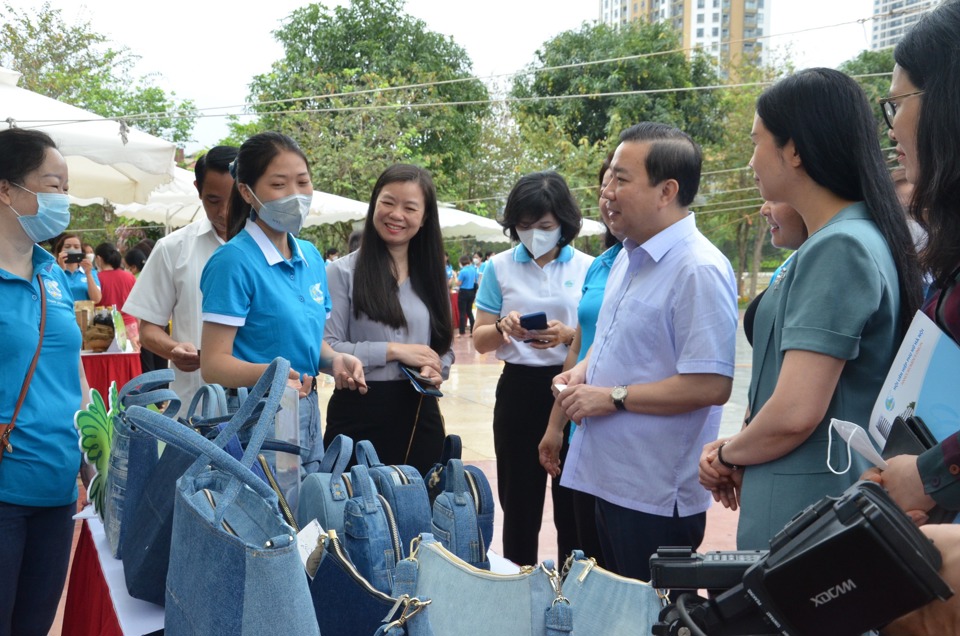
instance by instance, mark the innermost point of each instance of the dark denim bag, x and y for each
(324, 494)
(370, 531)
(133, 454)
(456, 522)
(228, 534)
(404, 490)
(477, 483)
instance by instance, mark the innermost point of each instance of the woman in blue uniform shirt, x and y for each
(82, 277)
(265, 291)
(38, 470)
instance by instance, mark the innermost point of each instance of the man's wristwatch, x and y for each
(723, 462)
(618, 395)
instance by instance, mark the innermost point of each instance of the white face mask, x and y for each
(538, 242)
(857, 439)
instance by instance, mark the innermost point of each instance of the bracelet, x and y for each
(720, 457)
(497, 326)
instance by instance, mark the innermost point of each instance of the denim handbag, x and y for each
(370, 532)
(324, 494)
(456, 518)
(607, 603)
(468, 601)
(228, 535)
(404, 490)
(477, 483)
(133, 454)
(347, 605)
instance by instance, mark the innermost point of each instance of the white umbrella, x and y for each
(592, 228)
(459, 224)
(104, 158)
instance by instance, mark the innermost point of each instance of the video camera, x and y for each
(844, 566)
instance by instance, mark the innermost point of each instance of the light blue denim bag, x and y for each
(324, 494)
(228, 534)
(370, 532)
(133, 454)
(404, 490)
(468, 601)
(456, 519)
(608, 604)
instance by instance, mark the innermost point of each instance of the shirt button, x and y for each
(292, 276)
(300, 298)
(34, 296)
(935, 482)
(954, 470)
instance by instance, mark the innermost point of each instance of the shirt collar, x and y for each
(269, 250)
(521, 255)
(660, 243)
(204, 226)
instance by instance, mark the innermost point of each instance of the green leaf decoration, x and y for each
(95, 425)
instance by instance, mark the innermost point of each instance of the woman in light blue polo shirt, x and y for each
(265, 291)
(542, 274)
(40, 456)
(83, 279)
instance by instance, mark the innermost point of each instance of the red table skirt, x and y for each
(102, 368)
(89, 609)
(456, 311)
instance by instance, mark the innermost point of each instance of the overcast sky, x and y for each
(204, 52)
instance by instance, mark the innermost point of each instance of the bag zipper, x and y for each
(394, 532)
(334, 545)
(475, 493)
(398, 475)
(525, 570)
(281, 500)
(348, 485)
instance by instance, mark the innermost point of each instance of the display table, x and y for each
(455, 309)
(97, 599)
(102, 368)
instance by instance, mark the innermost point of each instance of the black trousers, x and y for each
(394, 417)
(574, 515)
(465, 298)
(524, 400)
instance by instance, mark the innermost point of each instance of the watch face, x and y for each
(619, 393)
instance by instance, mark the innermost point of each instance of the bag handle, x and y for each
(210, 400)
(6, 429)
(457, 482)
(367, 454)
(452, 448)
(147, 388)
(337, 457)
(363, 488)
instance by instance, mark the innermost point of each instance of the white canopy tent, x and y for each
(105, 159)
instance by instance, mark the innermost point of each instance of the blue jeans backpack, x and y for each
(404, 490)
(456, 523)
(324, 494)
(371, 537)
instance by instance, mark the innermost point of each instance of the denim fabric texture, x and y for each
(455, 520)
(370, 534)
(477, 481)
(133, 454)
(606, 603)
(404, 490)
(324, 494)
(237, 544)
(472, 602)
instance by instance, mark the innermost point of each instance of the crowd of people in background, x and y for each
(615, 368)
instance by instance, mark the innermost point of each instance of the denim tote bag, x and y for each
(324, 494)
(348, 605)
(606, 603)
(404, 490)
(228, 534)
(133, 454)
(477, 482)
(456, 519)
(468, 601)
(370, 532)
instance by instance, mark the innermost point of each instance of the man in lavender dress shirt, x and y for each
(650, 391)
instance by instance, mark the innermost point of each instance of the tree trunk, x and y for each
(743, 228)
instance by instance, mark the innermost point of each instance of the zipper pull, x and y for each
(586, 570)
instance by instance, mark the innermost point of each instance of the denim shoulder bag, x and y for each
(477, 482)
(404, 490)
(456, 518)
(324, 494)
(228, 534)
(607, 603)
(468, 601)
(370, 531)
(133, 454)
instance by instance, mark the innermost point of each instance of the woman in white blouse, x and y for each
(391, 309)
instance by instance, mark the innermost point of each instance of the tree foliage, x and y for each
(74, 64)
(872, 70)
(370, 85)
(654, 63)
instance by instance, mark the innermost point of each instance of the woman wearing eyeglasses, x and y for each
(923, 112)
(823, 342)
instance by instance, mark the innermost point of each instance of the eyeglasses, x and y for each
(889, 108)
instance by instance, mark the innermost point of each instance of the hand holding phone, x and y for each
(533, 322)
(421, 383)
(73, 257)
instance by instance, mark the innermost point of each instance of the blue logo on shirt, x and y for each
(316, 292)
(53, 289)
(568, 284)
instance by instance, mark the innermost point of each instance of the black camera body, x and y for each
(841, 567)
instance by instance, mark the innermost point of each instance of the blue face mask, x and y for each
(51, 219)
(287, 214)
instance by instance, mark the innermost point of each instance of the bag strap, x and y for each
(337, 457)
(363, 489)
(208, 402)
(367, 454)
(452, 448)
(8, 428)
(456, 483)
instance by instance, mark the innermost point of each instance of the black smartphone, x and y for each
(420, 383)
(73, 257)
(533, 322)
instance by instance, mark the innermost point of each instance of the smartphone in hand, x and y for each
(420, 383)
(73, 257)
(533, 322)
